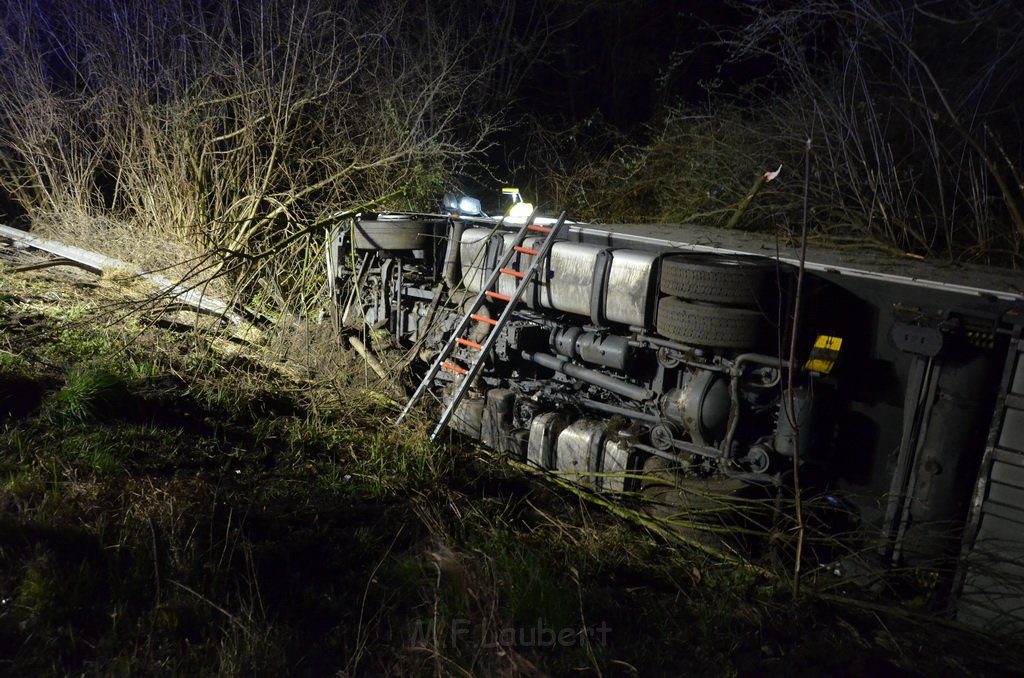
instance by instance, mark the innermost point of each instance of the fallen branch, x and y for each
(759, 182)
(370, 359)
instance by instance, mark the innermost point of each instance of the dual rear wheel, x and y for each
(712, 301)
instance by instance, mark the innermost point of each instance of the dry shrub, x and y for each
(694, 166)
(914, 145)
(239, 129)
(914, 141)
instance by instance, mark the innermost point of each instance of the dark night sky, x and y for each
(626, 59)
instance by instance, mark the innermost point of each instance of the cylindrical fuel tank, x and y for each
(478, 254)
(519, 262)
(587, 280)
(605, 284)
(627, 298)
(566, 282)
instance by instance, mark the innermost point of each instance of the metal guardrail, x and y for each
(99, 263)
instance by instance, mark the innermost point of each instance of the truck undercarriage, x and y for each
(623, 354)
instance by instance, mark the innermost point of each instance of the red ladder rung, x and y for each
(539, 229)
(489, 321)
(454, 368)
(509, 271)
(526, 250)
(496, 295)
(471, 344)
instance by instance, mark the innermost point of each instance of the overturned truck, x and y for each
(892, 390)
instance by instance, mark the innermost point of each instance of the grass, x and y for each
(87, 391)
(169, 509)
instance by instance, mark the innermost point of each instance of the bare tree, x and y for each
(240, 127)
(915, 107)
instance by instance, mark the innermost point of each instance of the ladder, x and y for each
(443, 359)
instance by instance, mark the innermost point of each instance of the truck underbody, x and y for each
(651, 360)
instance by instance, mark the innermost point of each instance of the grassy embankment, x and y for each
(178, 501)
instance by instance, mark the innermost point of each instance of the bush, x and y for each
(913, 145)
(238, 128)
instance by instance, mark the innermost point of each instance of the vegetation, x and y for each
(227, 135)
(178, 499)
(914, 144)
(239, 130)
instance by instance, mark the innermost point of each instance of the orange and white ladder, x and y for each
(487, 294)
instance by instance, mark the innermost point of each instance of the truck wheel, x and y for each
(707, 325)
(391, 233)
(706, 503)
(721, 281)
